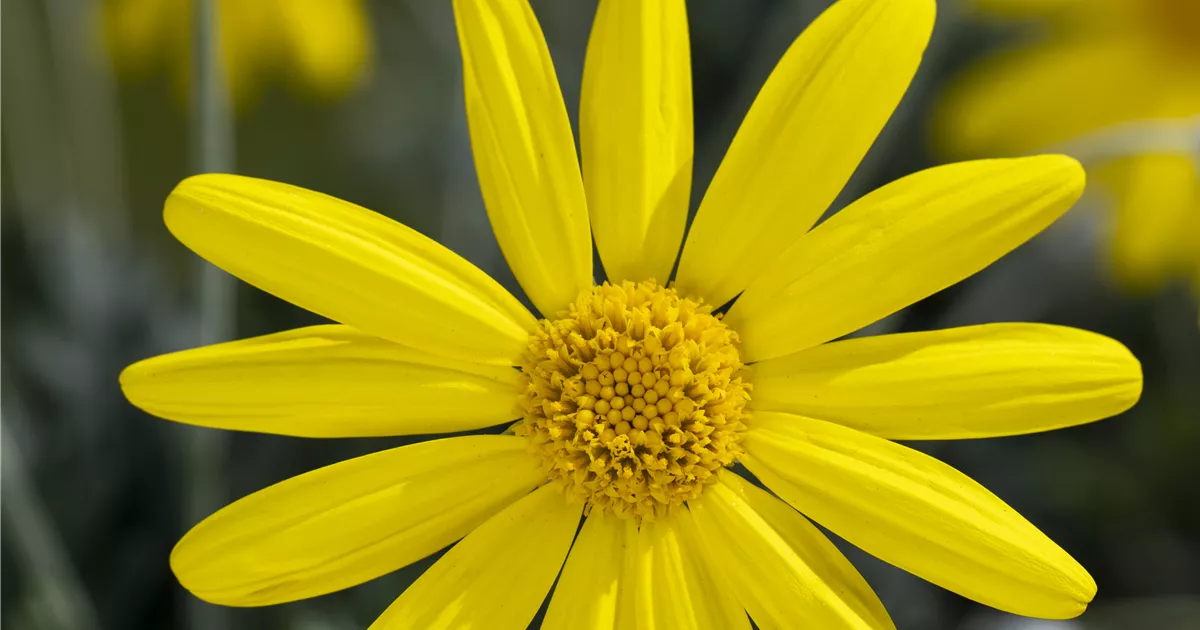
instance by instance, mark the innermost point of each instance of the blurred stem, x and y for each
(60, 599)
(212, 142)
(91, 125)
(212, 122)
(213, 152)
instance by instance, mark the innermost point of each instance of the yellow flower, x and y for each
(632, 398)
(324, 46)
(1116, 83)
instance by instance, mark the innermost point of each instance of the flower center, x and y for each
(634, 398)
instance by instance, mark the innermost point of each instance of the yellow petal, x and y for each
(811, 123)
(595, 590)
(782, 568)
(498, 575)
(328, 43)
(251, 44)
(899, 244)
(353, 521)
(972, 382)
(675, 588)
(137, 32)
(322, 381)
(1156, 197)
(917, 513)
(348, 264)
(636, 135)
(1032, 99)
(524, 151)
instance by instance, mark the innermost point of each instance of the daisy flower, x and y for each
(324, 46)
(1117, 84)
(632, 399)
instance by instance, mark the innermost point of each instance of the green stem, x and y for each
(212, 139)
(89, 121)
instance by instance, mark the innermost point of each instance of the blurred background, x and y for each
(363, 100)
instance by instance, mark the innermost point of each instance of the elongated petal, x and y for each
(897, 245)
(972, 382)
(782, 568)
(1040, 97)
(498, 575)
(524, 151)
(322, 381)
(136, 32)
(636, 135)
(348, 264)
(251, 43)
(1157, 198)
(353, 521)
(810, 125)
(917, 513)
(675, 588)
(595, 590)
(328, 42)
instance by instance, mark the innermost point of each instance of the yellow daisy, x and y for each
(631, 398)
(324, 46)
(1116, 83)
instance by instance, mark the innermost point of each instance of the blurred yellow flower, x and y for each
(321, 46)
(1117, 84)
(631, 400)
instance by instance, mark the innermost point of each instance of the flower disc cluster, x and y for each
(634, 398)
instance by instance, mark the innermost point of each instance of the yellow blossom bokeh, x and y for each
(322, 48)
(1115, 83)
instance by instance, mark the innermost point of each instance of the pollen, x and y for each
(634, 398)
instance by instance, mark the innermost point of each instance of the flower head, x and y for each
(633, 397)
(635, 400)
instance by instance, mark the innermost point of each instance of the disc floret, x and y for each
(635, 397)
